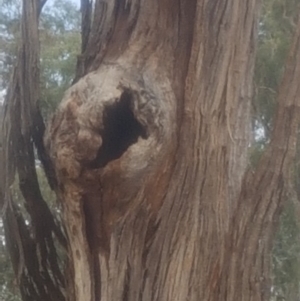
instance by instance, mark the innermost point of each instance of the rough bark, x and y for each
(149, 149)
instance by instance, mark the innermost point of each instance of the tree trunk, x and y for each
(150, 149)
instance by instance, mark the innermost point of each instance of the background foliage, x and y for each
(277, 24)
(60, 43)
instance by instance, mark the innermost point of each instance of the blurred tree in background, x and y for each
(60, 44)
(276, 29)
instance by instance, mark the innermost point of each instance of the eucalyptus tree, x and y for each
(147, 154)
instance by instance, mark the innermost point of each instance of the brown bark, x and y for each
(150, 149)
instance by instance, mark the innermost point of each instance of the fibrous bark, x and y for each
(204, 233)
(149, 148)
(174, 216)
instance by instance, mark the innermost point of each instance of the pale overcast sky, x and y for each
(49, 2)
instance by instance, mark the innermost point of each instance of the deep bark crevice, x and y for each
(125, 296)
(121, 129)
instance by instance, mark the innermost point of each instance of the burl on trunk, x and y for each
(150, 151)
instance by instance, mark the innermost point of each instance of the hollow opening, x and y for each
(121, 129)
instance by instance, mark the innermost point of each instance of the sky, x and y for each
(50, 2)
